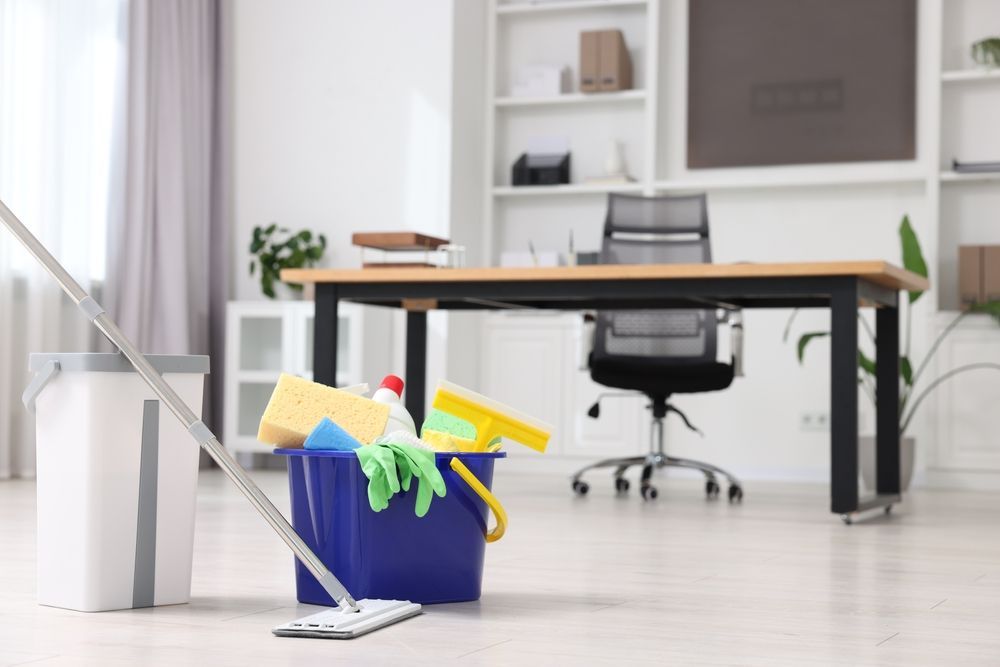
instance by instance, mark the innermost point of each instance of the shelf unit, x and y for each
(573, 99)
(957, 177)
(265, 339)
(628, 116)
(552, 6)
(966, 75)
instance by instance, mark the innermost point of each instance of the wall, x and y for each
(343, 122)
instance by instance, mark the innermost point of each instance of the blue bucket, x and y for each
(392, 554)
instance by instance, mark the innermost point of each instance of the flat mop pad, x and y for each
(337, 624)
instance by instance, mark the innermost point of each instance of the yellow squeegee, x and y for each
(491, 418)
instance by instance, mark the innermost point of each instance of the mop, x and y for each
(352, 617)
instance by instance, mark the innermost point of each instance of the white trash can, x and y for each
(117, 478)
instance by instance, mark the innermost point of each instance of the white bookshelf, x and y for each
(548, 32)
(573, 99)
(956, 177)
(565, 190)
(967, 75)
(265, 339)
(554, 6)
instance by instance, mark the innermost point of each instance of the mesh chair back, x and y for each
(656, 230)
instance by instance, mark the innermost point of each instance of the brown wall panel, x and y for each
(801, 81)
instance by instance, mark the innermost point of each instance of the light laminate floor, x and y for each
(593, 581)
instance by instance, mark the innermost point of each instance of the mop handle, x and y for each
(191, 422)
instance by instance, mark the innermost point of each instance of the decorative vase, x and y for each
(866, 461)
(614, 161)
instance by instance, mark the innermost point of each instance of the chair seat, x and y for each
(645, 375)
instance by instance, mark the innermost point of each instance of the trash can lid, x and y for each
(115, 362)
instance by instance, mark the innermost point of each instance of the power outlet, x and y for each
(814, 420)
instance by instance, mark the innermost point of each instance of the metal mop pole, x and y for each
(192, 423)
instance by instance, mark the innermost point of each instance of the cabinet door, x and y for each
(967, 418)
(622, 429)
(523, 366)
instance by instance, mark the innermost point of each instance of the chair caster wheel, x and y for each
(580, 487)
(621, 485)
(649, 492)
(888, 509)
(711, 489)
(735, 494)
(846, 518)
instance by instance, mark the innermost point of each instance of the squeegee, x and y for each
(353, 617)
(492, 419)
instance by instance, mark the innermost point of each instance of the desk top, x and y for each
(874, 271)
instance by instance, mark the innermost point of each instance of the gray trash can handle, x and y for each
(42, 378)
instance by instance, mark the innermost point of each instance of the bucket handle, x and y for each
(42, 378)
(484, 493)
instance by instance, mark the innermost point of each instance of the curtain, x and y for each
(168, 244)
(60, 77)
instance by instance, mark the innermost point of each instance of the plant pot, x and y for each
(866, 461)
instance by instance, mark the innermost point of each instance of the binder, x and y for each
(970, 275)
(615, 65)
(991, 273)
(589, 61)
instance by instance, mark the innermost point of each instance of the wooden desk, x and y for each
(843, 287)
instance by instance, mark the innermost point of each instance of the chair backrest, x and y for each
(656, 230)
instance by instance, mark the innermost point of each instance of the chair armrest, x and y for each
(585, 340)
(735, 320)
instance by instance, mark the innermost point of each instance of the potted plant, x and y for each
(912, 391)
(275, 248)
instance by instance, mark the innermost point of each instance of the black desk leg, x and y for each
(844, 399)
(887, 399)
(416, 364)
(325, 335)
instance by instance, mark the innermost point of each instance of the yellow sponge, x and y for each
(297, 405)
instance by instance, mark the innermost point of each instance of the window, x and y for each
(62, 67)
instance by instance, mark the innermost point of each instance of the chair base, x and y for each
(656, 459)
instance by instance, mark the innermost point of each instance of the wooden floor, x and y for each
(592, 581)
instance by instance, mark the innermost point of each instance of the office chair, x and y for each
(660, 353)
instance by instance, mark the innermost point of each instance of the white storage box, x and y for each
(117, 477)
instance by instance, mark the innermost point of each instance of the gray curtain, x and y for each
(168, 246)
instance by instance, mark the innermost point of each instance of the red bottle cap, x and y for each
(393, 382)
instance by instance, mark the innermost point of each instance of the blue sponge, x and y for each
(327, 435)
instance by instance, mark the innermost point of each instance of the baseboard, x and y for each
(567, 465)
(963, 480)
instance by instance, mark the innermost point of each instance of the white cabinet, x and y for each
(967, 421)
(264, 339)
(530, 363)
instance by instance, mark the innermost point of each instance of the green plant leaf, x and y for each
(807, 338)
(270, 228)
(906, 370)
(253, 265)
(322, 241)
(866, 364)
(305, 236)
(913, 256)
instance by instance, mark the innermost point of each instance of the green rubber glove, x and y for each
(378, 462)
(421, 464)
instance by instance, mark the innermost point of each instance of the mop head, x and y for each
(336, 624)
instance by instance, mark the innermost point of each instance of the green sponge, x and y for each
(442, 421)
